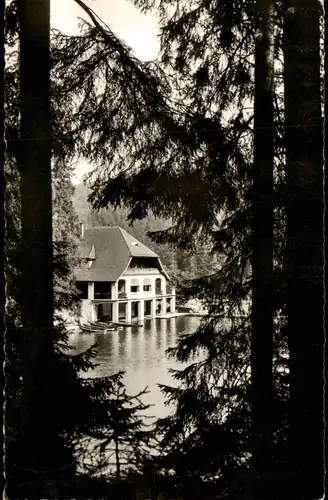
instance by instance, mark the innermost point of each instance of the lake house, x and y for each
(120, 279)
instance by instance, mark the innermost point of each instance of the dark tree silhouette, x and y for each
(262, 250)
(48, 407)
(123, 443)
(304, 245)
(35, 174)
(207, 49)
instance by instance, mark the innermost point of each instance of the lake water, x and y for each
(140, 352)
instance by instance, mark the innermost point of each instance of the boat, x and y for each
(98, 327)
(121, 323)
(102, 325)
(105, 326)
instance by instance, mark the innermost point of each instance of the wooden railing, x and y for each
(102, 295)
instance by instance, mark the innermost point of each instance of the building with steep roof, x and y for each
(120, 279)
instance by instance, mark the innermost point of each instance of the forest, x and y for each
(212, 155)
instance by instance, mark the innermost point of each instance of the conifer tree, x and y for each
(207, 50)
(48, 407)
(210, 175)
(35, 174)
(36, 289)
(262, 251)
(125, 441)
(304, 245)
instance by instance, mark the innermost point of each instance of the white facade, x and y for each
(132, 298)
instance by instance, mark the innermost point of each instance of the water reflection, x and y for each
(140, 352)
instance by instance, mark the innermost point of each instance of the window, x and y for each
(121, 288)
(146, 285)
(158, 286)
(134, 286)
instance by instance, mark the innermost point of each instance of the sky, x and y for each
(138, 30)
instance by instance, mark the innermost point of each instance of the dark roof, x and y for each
(86, 251)
(113, 248)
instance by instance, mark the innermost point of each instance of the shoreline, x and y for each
(74, 327)
(178, 314)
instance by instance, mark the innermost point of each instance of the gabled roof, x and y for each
(113, 249)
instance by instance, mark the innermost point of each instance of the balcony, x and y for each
(122, 295)
(143, 270)
(102, 296)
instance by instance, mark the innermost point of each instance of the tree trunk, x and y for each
(35, 170)
(38, 442)
(262, 253)
(117, 457)
(304, 252)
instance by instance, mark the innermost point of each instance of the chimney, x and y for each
(81, 230)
